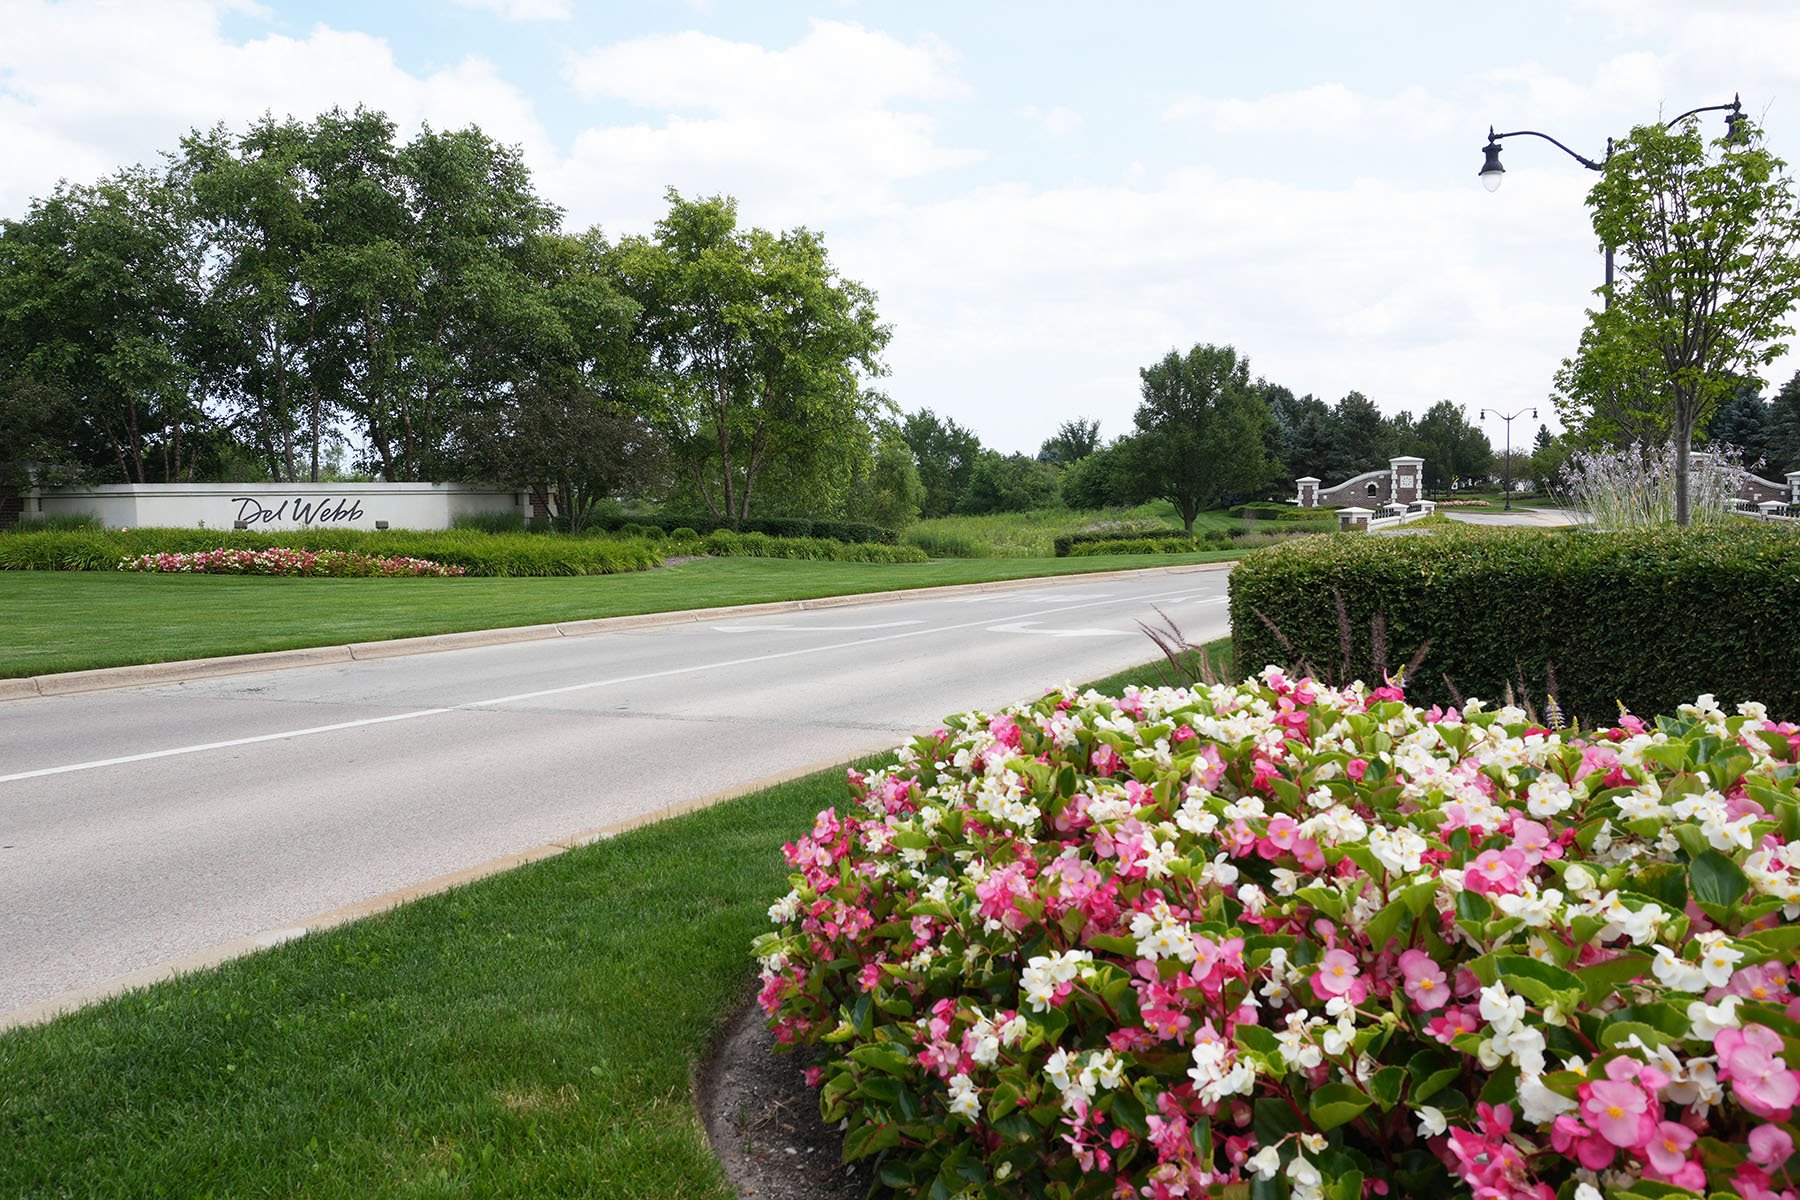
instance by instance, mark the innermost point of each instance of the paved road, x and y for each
(154, 825)
(1541, 518)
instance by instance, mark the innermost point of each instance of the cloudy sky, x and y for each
(1046, 196)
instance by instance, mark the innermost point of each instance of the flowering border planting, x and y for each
(1279, 939)
(279, 560)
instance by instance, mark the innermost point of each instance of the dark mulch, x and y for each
(764, 1124)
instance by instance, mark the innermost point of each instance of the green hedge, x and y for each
(1268, 510)
(1650, 618)
(726, 544)
(1173, 543)
(781, 527)
(1063, 545)
(476, 552)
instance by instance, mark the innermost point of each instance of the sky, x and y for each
(1046, 196)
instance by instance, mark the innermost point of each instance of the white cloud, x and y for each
(1059, 121)
(169, 68)
(825, 129)
(523, 10)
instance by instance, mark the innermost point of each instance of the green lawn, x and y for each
(75, 620)
(532, 1034)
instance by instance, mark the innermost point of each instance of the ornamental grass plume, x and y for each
(1279, 938)
(1634, 486)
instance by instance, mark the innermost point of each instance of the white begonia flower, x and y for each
(1709, 1019)
(1639, 805)
(1505, 1013)
(1286, 881)
(1399, 850)
(1265, 1163)
(1539, 1104)
(1315, 1142)
(1754, 709)
(1532, 907)
(963, 1100)
(1432, 1122)
(1305, 1182)
(1252, 898)
(1718, 958)
(785, 909)
(1579, 880)
(1548, 796)
(1587, 1191)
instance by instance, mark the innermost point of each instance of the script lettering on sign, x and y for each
(253, 512)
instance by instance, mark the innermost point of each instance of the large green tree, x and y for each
(762, 347)
(1708, 243)
(1201, 429)
(1452, 447)
(99, 303)
(946, 454)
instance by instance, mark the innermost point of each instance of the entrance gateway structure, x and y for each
(282, 505)
(1374, 498)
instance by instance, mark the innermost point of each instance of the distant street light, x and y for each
(1509, 420)
(1492, 173)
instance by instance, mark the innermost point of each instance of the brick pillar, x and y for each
(1309, 491)
(1354, 518)
(1408, 479)
(1793, 482)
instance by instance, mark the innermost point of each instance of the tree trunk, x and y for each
(1684, 438)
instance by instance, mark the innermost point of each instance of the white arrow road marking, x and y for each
(1028, 627)
(811, 628)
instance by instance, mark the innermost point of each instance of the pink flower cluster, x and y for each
(279, 560)
(1178, 942)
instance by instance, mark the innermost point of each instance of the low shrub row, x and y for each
(1172, 543)
(1269, 510)
(940, 544)
(780, 527)
(724, 543)
(1644, 618)
(475, 552)
(1064, 543)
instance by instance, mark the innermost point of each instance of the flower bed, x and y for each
(280, 560)
(1277, 939)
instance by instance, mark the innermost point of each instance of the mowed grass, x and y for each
(530, 1035)
(77, 620)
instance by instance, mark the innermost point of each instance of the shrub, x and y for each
(1168, 543)
(682, 533)
(937, 544)
(491, 522)
(1280, 940)
(52, 522)
(502, 554)
(1641, 618)
(1268, 510)
(1109, 531)
(724, 543)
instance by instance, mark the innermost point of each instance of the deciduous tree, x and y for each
(1200, 430)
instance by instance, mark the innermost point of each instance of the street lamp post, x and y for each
(1508, 418)
(1492, 173)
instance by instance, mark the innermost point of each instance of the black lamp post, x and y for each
(1492, 173)
(1509, 420)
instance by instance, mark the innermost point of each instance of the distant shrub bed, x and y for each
(1643, 618)
(1064, 544)
(1174, 543)
(1264, 510)
(938, 544)
(780, 527)
(477, 553)
(726, 544)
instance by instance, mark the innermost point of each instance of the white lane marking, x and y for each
(1030, 627)
(522, 696)
(782, 628)
(1014, 598)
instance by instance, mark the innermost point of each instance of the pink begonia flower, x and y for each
(1761, 1080)
(1282, 832)
(1668, 1149)
(1616, 1111)
(1533, 840)
(1496, 871)
(1764, 981)
(1006, 731)
(1770, 1146)
(1426, 983)
(1105, 761)
(1569, 1136)
(1337, 973)
(1356, 768)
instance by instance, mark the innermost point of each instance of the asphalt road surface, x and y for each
(149, 826)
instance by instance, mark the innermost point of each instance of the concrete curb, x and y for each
(72, 682)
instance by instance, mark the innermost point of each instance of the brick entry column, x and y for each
(1408, 476)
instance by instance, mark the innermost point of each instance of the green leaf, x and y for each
(1386, 1084)
(1336, 1103)
(1716, 879)
(1604, 979)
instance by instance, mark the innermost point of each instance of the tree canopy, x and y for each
(1708, 243)
(1200, 430)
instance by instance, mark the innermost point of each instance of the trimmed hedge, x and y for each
(1648, 618)
(781, 527)
(1063, 545)
(724, 543)
(477, 553)
(1268, 510)
(1174, 543)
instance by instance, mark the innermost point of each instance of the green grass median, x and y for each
(532, 1034)
(76, 620)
